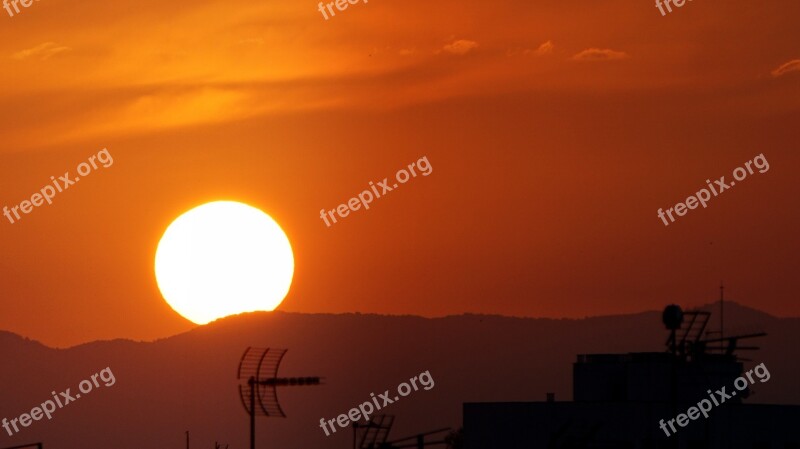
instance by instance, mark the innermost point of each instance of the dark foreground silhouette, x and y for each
(188, 382)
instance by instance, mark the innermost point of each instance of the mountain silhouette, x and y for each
(188, 382)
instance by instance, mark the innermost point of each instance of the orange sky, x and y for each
(556, 129)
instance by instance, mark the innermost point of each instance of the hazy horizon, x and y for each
(712, 306)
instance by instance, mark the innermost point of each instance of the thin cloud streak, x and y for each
(460, 47)
(43, 51)
(791, 66)
(597, 54)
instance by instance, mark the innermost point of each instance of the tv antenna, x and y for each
(419, 441)
(691, 325)
(259, 381)
(375, 433)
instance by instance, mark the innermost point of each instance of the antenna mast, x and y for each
(721, 313)
(258, 382)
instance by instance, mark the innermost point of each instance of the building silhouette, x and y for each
(625, 401)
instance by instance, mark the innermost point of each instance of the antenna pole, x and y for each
(259, 366)
(252, 382)
(721, 314)
(187, 439)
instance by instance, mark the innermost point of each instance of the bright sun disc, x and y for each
(223, 258)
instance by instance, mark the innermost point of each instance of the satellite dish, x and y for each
(672, 317)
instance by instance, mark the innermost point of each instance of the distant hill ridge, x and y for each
(188, 381)
(734, 311)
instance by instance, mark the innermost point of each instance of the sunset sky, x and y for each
(555, 128)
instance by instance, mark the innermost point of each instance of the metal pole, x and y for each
(252, 383)
(722, 314)
(187, 439)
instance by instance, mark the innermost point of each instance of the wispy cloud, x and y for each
(598, 54)
(460, 47)
(42, 51)
(544, 49)
(791, 66)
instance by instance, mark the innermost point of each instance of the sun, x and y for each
(223, 258)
